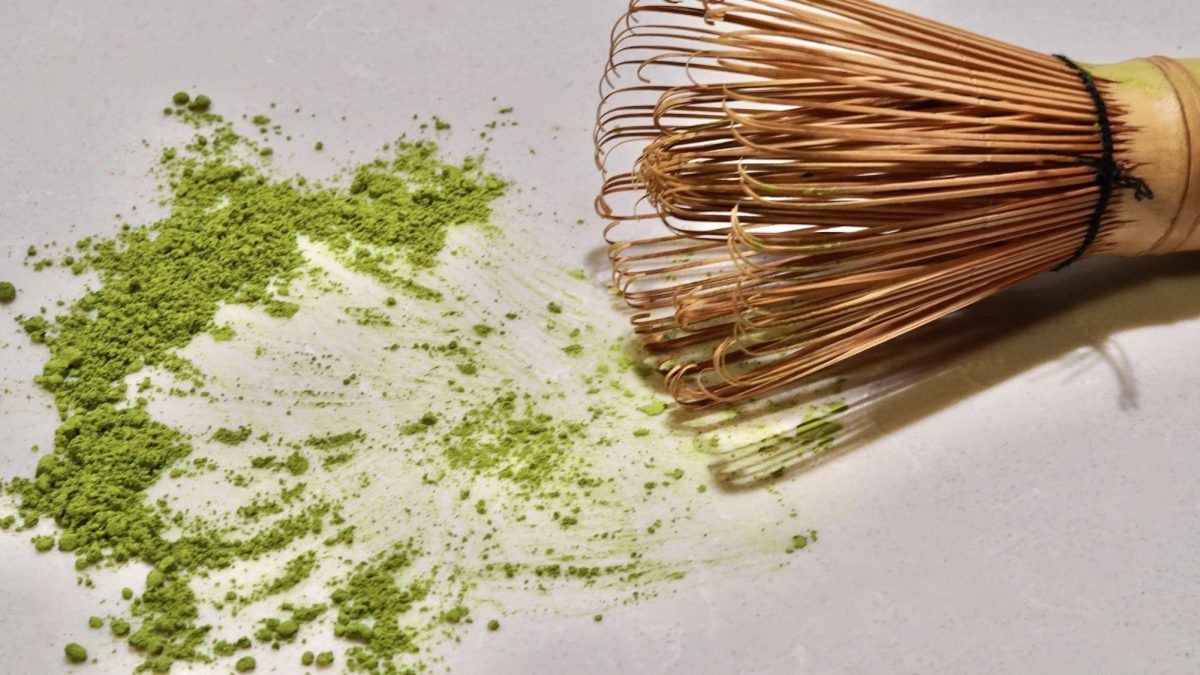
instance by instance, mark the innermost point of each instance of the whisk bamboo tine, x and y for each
(792, 183)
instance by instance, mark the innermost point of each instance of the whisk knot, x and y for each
(1110, 174)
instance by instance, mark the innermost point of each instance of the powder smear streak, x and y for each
(322, 415)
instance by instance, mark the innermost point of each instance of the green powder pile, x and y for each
(232, 237)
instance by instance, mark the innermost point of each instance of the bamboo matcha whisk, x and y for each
(791, 183)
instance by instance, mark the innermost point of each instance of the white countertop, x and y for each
(1034, 509)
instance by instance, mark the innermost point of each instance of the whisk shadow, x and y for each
(1038, 322)
(1043, 321)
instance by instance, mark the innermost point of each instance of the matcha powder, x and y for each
(231, 237)
(398, 457)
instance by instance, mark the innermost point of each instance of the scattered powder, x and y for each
(505, 459)
(160, 286)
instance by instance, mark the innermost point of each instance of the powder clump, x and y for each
(200, 104)
(75, 653)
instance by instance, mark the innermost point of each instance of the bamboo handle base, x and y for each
(1159, 143)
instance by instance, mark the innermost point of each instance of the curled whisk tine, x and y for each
(818, 177)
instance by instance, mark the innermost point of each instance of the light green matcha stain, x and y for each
(654, 408)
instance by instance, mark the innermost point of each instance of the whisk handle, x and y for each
(1160, 142)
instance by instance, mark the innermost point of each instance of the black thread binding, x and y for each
(1109, 174)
